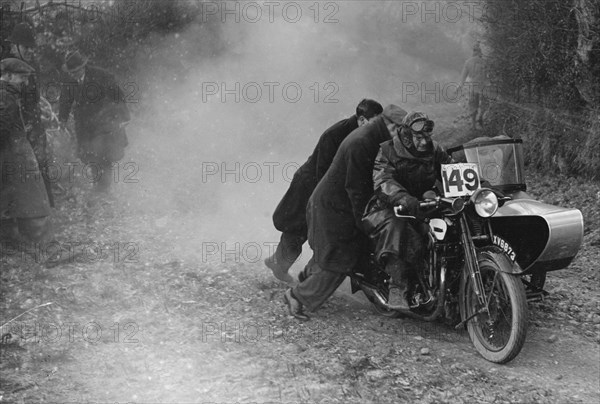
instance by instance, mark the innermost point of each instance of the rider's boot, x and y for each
(397, 296)
(398, 290)
(279, 271)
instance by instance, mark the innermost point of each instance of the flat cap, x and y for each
(394, 113)
(14, 65)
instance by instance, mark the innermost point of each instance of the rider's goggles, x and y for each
(422, 126)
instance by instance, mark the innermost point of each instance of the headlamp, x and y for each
(485, 202)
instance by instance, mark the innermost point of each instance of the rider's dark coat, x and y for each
(290, 214)
(398, 172)
(22, 190)
(336, 206)
(99, 107)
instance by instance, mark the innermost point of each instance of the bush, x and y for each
(105, 31)
(545, 64)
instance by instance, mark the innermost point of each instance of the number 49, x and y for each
(459, 178)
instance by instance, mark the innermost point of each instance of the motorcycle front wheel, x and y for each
(499, 332)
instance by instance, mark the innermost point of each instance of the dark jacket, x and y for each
(290, 214)
(98, 108)
(397, 174)
(336, 206)
(22, 190)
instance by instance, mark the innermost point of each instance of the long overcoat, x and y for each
(398, 173)
(290, 214)
(99, 107)
(336, 206)
(22, 190)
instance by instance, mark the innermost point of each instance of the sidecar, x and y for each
(542, 237)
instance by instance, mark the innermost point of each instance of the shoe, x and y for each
(397, 299)
(278, 272)
(294, 306)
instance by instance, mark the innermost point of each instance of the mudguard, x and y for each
(501, 258)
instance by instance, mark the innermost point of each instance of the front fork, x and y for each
(472, 267)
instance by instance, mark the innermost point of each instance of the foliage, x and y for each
(545, 65)
(109, 32)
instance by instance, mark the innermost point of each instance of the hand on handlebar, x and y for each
(408, 205)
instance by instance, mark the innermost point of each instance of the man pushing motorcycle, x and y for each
(334, 214)
(406, 167)
(290, 215)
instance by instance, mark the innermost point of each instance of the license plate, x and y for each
(460, 179)
(505, 247)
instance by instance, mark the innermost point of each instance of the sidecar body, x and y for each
(543, 237)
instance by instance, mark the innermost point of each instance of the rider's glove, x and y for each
(430, 194)
(410, 205)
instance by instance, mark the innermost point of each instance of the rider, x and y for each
(406, 167)
(290, 214)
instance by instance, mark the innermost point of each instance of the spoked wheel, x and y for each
(499, 332)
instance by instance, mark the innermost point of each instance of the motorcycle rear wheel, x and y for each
(499, 335)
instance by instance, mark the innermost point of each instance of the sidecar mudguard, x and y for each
(544, 237)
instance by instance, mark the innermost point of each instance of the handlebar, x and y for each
(455, 204)
(430, 203)
(398, 210)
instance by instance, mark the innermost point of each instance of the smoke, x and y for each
(218, 135)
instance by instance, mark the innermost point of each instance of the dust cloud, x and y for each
(217, 136)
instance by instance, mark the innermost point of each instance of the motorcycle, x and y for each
(488, 250)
